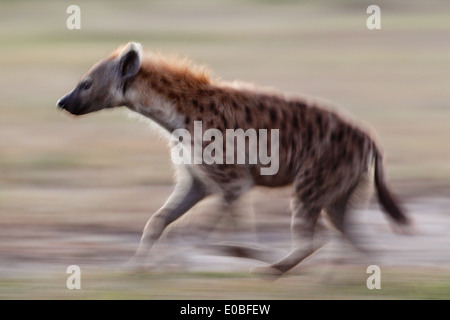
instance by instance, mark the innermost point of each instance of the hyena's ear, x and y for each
(130, 58)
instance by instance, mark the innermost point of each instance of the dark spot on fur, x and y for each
(224, 99)
(309, 137)
(224, 121)
(300, 105)
(319, 120)
(319, 179)
(293, 145)
(301, 117)
(284, 115)
(295, 121)
(172, 96)
(233, 175)
(248, 114)
(273, 115)
(333, 136)
(335, 165)
(165, 82)
(340, 135)
(305, 196)
(321, 133)
(284, 138)
(315, 196)
(349, 156)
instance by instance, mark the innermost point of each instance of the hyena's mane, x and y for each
(176, 69)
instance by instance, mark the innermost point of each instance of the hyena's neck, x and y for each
(164, 90)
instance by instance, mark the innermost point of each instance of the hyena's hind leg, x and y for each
(303, 224)
(340, 211)
(238, 223)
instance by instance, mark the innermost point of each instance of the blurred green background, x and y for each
(107, 173)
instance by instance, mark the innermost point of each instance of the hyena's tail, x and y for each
(388, 202)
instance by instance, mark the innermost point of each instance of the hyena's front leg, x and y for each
(184, 197)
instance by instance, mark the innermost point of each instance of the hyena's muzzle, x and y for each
(71, 102)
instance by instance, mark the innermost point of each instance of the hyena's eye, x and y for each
(85, 85)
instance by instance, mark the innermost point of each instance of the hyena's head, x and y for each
(103, 86)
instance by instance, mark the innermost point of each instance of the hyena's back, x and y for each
(320, 152)
(326, 156)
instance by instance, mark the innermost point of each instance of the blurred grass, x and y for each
(348, 283)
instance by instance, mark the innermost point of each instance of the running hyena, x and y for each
(325, 157)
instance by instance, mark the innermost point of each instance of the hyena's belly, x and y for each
(284, 176)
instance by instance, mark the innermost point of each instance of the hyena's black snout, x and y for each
(71, 103)
(62, 102)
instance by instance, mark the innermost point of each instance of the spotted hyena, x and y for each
(325, 157)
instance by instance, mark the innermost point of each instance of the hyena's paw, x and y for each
(134, 266)
(267, 272)
(404, 229)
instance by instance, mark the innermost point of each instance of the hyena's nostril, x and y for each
(61, 102)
